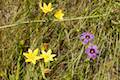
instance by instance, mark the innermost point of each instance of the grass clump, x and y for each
(24, 25)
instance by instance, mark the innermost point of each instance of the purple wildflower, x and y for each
(86, 37)
(92, 51)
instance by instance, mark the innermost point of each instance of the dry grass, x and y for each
(62, 37)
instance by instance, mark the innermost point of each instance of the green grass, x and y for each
(23, 25)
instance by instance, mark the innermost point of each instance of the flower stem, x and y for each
(42, 70)
(38, 21)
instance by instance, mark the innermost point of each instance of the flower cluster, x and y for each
(45, 56)
(33, 56)
(48, 8)
(91, 50)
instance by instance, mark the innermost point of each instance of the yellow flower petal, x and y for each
(45, 5)
(29, 50)
(33, 61)
(46, 60)
(53, 55)
(43, 52)
(49, 51)
(36, 51)
(26, 55)
(51, 58)
(49, 5)
(27, 60)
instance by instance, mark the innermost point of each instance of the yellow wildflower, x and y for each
(46, 8)
(59, 15)
(47, 55)
(32, 56)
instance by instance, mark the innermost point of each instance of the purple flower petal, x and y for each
(92, 36)
(85, 41)
(87, 50)
(93, 56)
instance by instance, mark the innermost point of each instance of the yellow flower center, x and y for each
(46, 56)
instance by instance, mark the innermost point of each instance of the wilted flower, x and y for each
(47, 55)
(46, 8)
(59, 15)
(47, 71)
(44, 46)
(92, 51)
(86, 37)
(32, 56)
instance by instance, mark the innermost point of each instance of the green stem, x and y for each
(38, 21)
(18, 66)
(42, 70)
